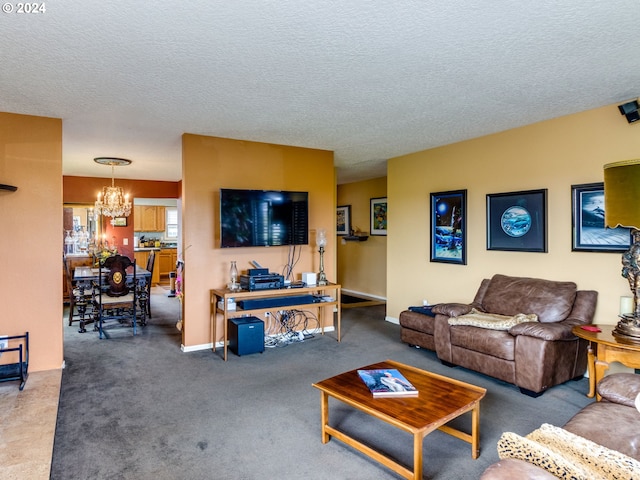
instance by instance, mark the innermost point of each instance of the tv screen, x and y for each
(263, 218)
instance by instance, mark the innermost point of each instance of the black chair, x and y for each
(79, 299)
(150, 264)
(116, 295)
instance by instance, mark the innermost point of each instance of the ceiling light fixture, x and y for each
(112, 202)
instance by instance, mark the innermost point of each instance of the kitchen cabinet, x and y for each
(167, 262)
(142, 256)
(149, 218)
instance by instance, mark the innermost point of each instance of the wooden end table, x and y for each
(605, 348)
(440, 400)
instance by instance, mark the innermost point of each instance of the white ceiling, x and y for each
(369, 80)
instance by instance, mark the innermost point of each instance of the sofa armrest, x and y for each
(544, 331)
(622, 388)
(451, 309)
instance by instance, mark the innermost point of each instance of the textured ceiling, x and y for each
(366, 79)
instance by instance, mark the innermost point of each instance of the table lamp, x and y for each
(321, 241)
(622, 209)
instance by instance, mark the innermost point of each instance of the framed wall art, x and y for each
(587, 222)
(449, 227)
(379, 216)
(517, 221)
(343, 226)
(119, 222)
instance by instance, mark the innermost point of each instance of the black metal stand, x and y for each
(18, 370)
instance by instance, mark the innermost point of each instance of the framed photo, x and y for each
(119, 221)
(343, 226)
(587, 221)
(379, 216)
(517, 221)
(449, 227)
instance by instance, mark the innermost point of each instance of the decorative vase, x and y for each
(233, 276)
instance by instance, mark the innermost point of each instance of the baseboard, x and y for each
(196, 348)
(363, 295)
(392, 320)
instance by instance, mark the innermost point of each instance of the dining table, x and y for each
(87, 273)
(85, 276)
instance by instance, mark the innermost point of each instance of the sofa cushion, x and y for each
(496, 343)
(552, 301)
(416, 321)
(510, 469)
(618, 418)
(492, 321)
(622, 388)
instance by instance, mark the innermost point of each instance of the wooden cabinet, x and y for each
(148, 218)
(141, 259)
(167, 262)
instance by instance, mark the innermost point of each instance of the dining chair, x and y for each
(150, 264)
(79, 299)
(115, 295)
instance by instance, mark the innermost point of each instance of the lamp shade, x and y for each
(622, 194)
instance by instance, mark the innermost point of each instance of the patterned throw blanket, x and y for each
(567, 455)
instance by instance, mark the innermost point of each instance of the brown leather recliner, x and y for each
(532, 355)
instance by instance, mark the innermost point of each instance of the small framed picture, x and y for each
(343, 226)
(379, 216)
(449, 227)
(119, 221)
(517, 221)
(589, 233)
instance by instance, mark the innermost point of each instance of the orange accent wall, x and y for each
(31, 239)
(86, 189)
(211, 163)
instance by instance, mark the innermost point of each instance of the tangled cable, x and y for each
(290, 326)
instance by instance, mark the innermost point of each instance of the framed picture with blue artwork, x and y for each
(588, 231)
(449, 227)
(517, 221)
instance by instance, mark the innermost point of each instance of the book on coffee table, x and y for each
(388, 382)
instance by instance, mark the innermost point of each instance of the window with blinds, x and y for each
(172, 222)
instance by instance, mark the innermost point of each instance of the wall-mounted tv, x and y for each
(263, 218)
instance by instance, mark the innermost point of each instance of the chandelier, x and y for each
(112, 202)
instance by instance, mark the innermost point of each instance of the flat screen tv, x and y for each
(263, 218)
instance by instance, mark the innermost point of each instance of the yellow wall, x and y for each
(31, 239)
(362, 266)
(210, 163)
(555, 155)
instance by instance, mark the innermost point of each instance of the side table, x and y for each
(605, 348)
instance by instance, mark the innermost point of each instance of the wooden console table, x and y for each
(605, 348)
(224, 294)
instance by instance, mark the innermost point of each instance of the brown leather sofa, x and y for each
(532, 355)
(613, 423)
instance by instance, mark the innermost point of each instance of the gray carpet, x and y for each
(139, 408)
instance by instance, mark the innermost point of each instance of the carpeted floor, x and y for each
(139, 408)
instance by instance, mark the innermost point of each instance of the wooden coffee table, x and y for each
(440, 400)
